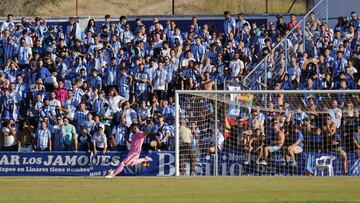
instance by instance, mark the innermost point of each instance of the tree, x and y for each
(24, 7)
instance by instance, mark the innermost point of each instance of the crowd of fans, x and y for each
(287, 126)
(81, 88)
(328, 60)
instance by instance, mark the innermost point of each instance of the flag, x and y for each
(233, 112)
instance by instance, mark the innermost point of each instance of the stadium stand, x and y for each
(59, 88)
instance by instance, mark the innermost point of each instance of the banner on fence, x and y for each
(163, 164)
(81, 164)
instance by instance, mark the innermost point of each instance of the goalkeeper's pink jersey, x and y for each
(136, 143)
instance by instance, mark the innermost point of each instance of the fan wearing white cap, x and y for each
(99, 140)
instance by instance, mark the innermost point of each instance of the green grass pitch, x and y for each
(180, 189)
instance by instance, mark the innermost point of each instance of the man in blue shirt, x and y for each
(44, 72)
(241, 22)
(81, 117)
(229, 24)
(120, 136)
(170, 69)
(95, 80)
(110, 73)
(198, 50)
(39, 27)
(338, 65)
(124, 84)
(168, 112)
(286, 83)
(297, 144)
(142, 80)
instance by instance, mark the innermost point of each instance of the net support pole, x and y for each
(303, 34)
(177, 138)
(266, 71)
(286, 55)
(216, 158)
(265, 79)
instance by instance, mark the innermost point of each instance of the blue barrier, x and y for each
(80, 164)
(163, 164)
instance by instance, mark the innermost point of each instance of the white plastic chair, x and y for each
(324, 163)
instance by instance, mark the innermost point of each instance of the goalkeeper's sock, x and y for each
(119, 168)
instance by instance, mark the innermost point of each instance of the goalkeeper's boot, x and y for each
(110, 174)
(147, 158)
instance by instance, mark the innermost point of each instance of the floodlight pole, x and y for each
(267, 6)
(77, 7)
(173, 7)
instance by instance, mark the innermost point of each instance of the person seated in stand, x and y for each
(274, 145)
(255, 145)
(333, 141)
(295, 140)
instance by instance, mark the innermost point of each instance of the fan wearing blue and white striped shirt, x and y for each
(81, 117)
(142, 84)
(10, 49)
(111, 72)
(78, 92)
(160, 81)
(124, 84)
(120, 136)
(24, 54)
(160, 133)
(43, 138)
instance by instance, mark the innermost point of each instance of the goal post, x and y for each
(245, 132)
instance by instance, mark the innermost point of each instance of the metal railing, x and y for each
(276, 63)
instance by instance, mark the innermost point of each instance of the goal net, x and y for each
(259, 133)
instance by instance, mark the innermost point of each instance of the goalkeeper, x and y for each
(135, 150)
